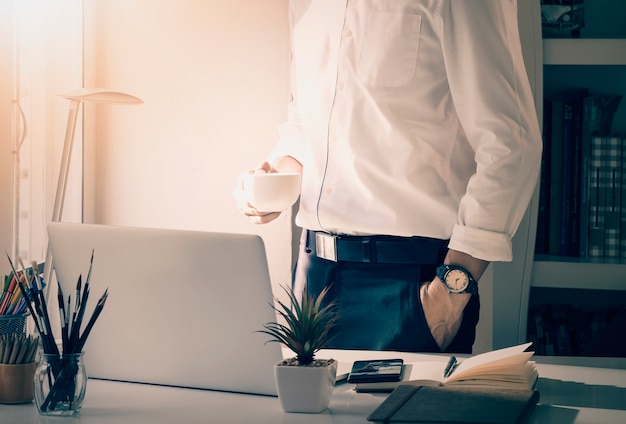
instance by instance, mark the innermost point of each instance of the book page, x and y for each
(510, 356)
(426, 372)
(522, 377)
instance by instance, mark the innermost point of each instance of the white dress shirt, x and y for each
(412, 117)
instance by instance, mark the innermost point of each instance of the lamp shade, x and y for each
(101, 95)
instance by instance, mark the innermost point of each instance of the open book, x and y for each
(508, 368)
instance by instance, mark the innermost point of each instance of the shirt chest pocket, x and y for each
(388, 54)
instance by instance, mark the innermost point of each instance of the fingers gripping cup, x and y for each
(272, 192)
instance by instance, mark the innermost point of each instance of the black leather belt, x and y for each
(376, 249)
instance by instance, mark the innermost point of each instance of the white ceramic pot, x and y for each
(305, 388)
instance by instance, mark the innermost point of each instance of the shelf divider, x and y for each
(577, 273)
(584, 51)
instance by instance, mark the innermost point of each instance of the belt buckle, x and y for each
(326, 246)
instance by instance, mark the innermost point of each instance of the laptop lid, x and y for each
(183, 306)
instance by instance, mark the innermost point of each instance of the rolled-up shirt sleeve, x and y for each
(494, 103)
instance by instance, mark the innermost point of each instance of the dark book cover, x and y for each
(572, 165)
(424, 404)
(556, 178)
(595, 238)
(610, 341)
(535, 330)
(562, 335)
(623, 202)
(611, 179)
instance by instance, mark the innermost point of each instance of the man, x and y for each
(413, 124)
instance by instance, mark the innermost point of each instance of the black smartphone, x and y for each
(376, 371)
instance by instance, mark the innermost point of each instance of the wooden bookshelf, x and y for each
(582, 285)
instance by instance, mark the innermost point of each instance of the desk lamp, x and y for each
(76, 98)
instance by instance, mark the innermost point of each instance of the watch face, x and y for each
(457, 280)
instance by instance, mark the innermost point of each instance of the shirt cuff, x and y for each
(482, 244)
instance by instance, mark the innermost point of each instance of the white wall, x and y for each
(6, 139)
(213, 76)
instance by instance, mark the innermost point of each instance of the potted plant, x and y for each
(304, 383)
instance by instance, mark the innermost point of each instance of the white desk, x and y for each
(569, 394)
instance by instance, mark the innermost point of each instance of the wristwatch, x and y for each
(457, 279)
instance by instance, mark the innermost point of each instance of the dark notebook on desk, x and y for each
(424, 404)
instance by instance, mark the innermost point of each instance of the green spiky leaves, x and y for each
(307, 324)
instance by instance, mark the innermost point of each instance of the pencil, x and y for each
(21, 305)
(40, 316)
(25, 294)
(8, 295)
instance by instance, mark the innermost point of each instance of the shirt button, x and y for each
(328, 190)
(332, 138)
(347, 33)
(340, 86)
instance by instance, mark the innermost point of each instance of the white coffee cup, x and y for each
(272, 192)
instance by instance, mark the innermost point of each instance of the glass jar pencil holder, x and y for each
(60, 383)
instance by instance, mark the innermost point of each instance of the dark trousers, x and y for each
(379, 303)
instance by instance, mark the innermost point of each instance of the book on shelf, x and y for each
(572, 170)
(595, 238)
(610, 339)
(508, 368)
(607, 208)
(565, 330)
(598, 112)
(545, 326)
(484, 405)
(623, 202)
(569, 218)
(555, 177)
(563, 345)
(542, 241)
(611, 179)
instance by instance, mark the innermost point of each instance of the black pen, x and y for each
(449, 367)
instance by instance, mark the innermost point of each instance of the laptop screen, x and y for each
(183, 307)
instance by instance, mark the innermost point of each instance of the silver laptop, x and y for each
(183, 306)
